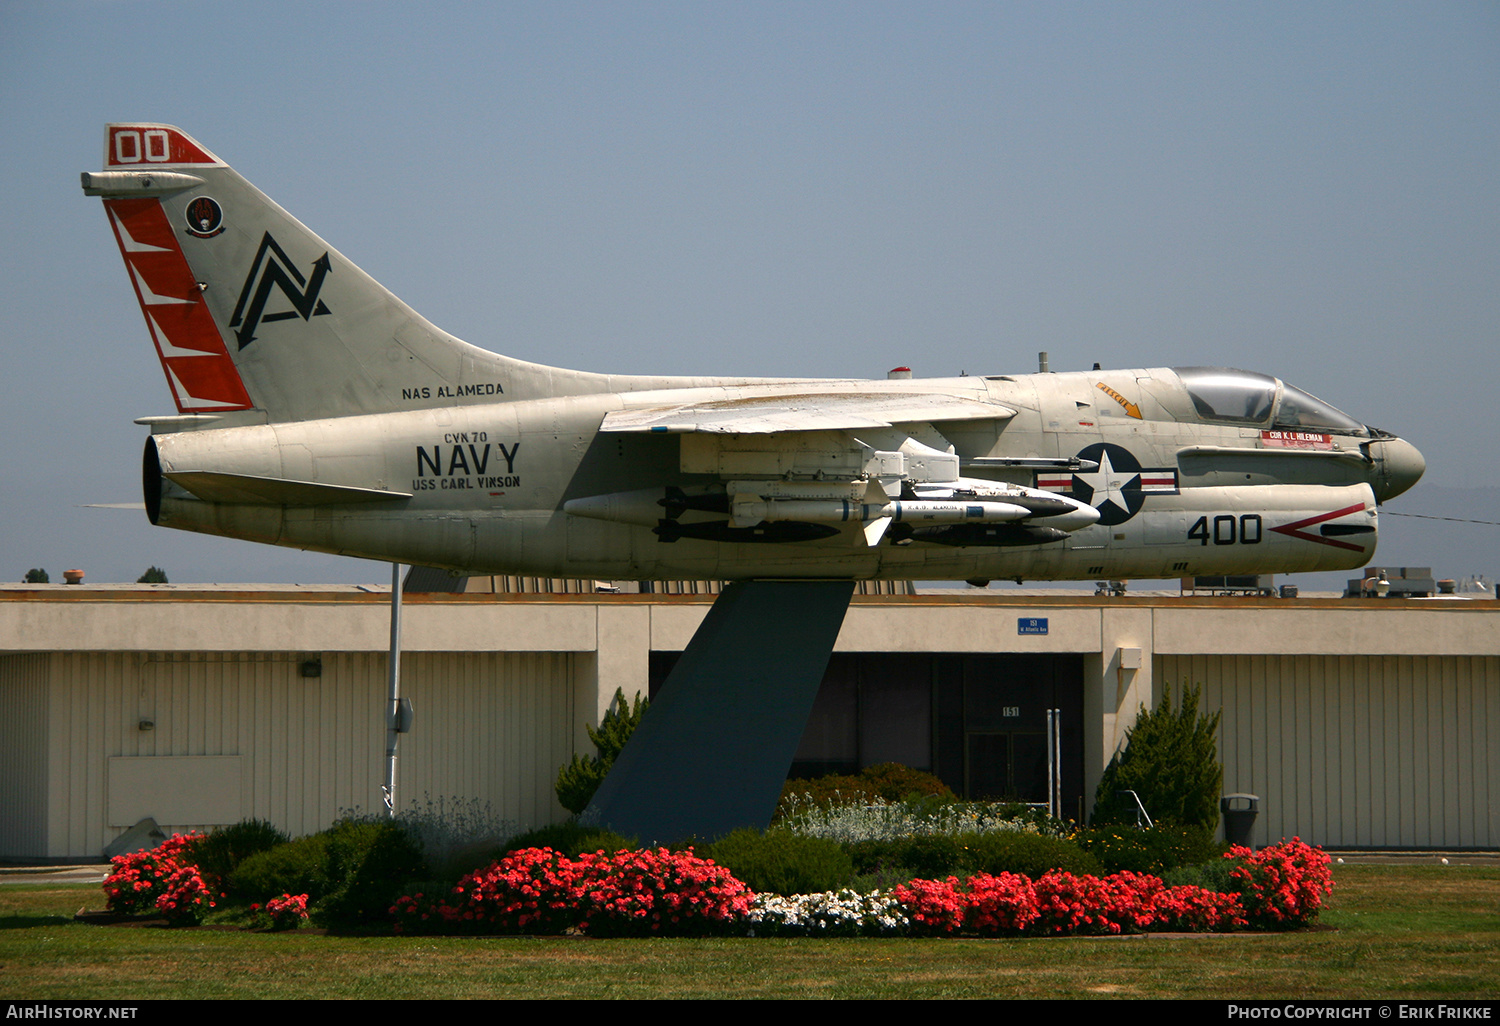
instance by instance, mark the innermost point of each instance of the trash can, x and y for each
(1239, 817)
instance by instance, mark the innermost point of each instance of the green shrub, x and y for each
(1153, 851)
(888, 781)
(570, 839)
(1212, 875)
(456, 835)
(880, 820)
(1171, 762)
(577, 781)
(934, 856)
(220, 853)
(1029, 854)
(781, 862)
(368, 863)
(297, 867)
(895, 782)
(928, 856)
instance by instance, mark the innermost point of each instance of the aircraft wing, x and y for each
(807, 411)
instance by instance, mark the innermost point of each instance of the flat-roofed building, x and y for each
(1359, 722)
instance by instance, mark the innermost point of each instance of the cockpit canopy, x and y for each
(1242, 397)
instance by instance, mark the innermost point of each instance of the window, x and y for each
(1300, 410)
(1219, 393)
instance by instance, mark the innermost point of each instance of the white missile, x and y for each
(748, 512)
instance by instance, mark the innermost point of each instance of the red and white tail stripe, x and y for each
(193, 356)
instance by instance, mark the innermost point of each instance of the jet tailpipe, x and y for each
(151, 481)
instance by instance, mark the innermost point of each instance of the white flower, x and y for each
(843, 912)
(881, 820)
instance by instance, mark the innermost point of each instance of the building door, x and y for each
(1006, 766)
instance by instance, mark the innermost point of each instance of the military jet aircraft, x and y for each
(316, 410)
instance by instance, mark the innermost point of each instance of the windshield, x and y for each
(1219, 393)
(1298, 409)
(1242, 397)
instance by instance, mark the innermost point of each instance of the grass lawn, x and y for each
(1397, 931)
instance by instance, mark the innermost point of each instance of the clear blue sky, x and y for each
(1309, 190)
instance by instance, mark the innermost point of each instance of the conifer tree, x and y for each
(1171, 761)
(579, 779)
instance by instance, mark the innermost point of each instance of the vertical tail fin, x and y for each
(249, 309)
(199, 369)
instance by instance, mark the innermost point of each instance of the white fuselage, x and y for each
(488, 482)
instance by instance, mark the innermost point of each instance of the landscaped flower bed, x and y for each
(541, 891)
(655, 892)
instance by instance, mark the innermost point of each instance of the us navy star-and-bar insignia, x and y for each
(1117, 488)
(272, 268)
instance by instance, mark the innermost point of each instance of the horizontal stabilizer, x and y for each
(808, 411)
(247, 489)
(136, 183)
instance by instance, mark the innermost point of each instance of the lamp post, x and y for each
(398, 714)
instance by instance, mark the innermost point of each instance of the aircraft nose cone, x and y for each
(1399, 466)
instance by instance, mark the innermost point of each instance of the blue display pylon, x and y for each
(712, 752)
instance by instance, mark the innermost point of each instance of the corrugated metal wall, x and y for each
(1387, 751)
(23, 756)
(496, 726)
(490, 726)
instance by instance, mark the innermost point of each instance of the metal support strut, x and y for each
(712, 752)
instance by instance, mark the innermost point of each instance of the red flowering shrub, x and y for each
(538, 890)
(984, 904)
(1189, 909)
(1282, 886)
(1081, 904)
(186, 898)
(284, 913)
(418, 913)
(1003, 903)
(659, 891)
(529, 891)
(163, 880)
(933, 906)
(656, 891)
(1063, 903)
